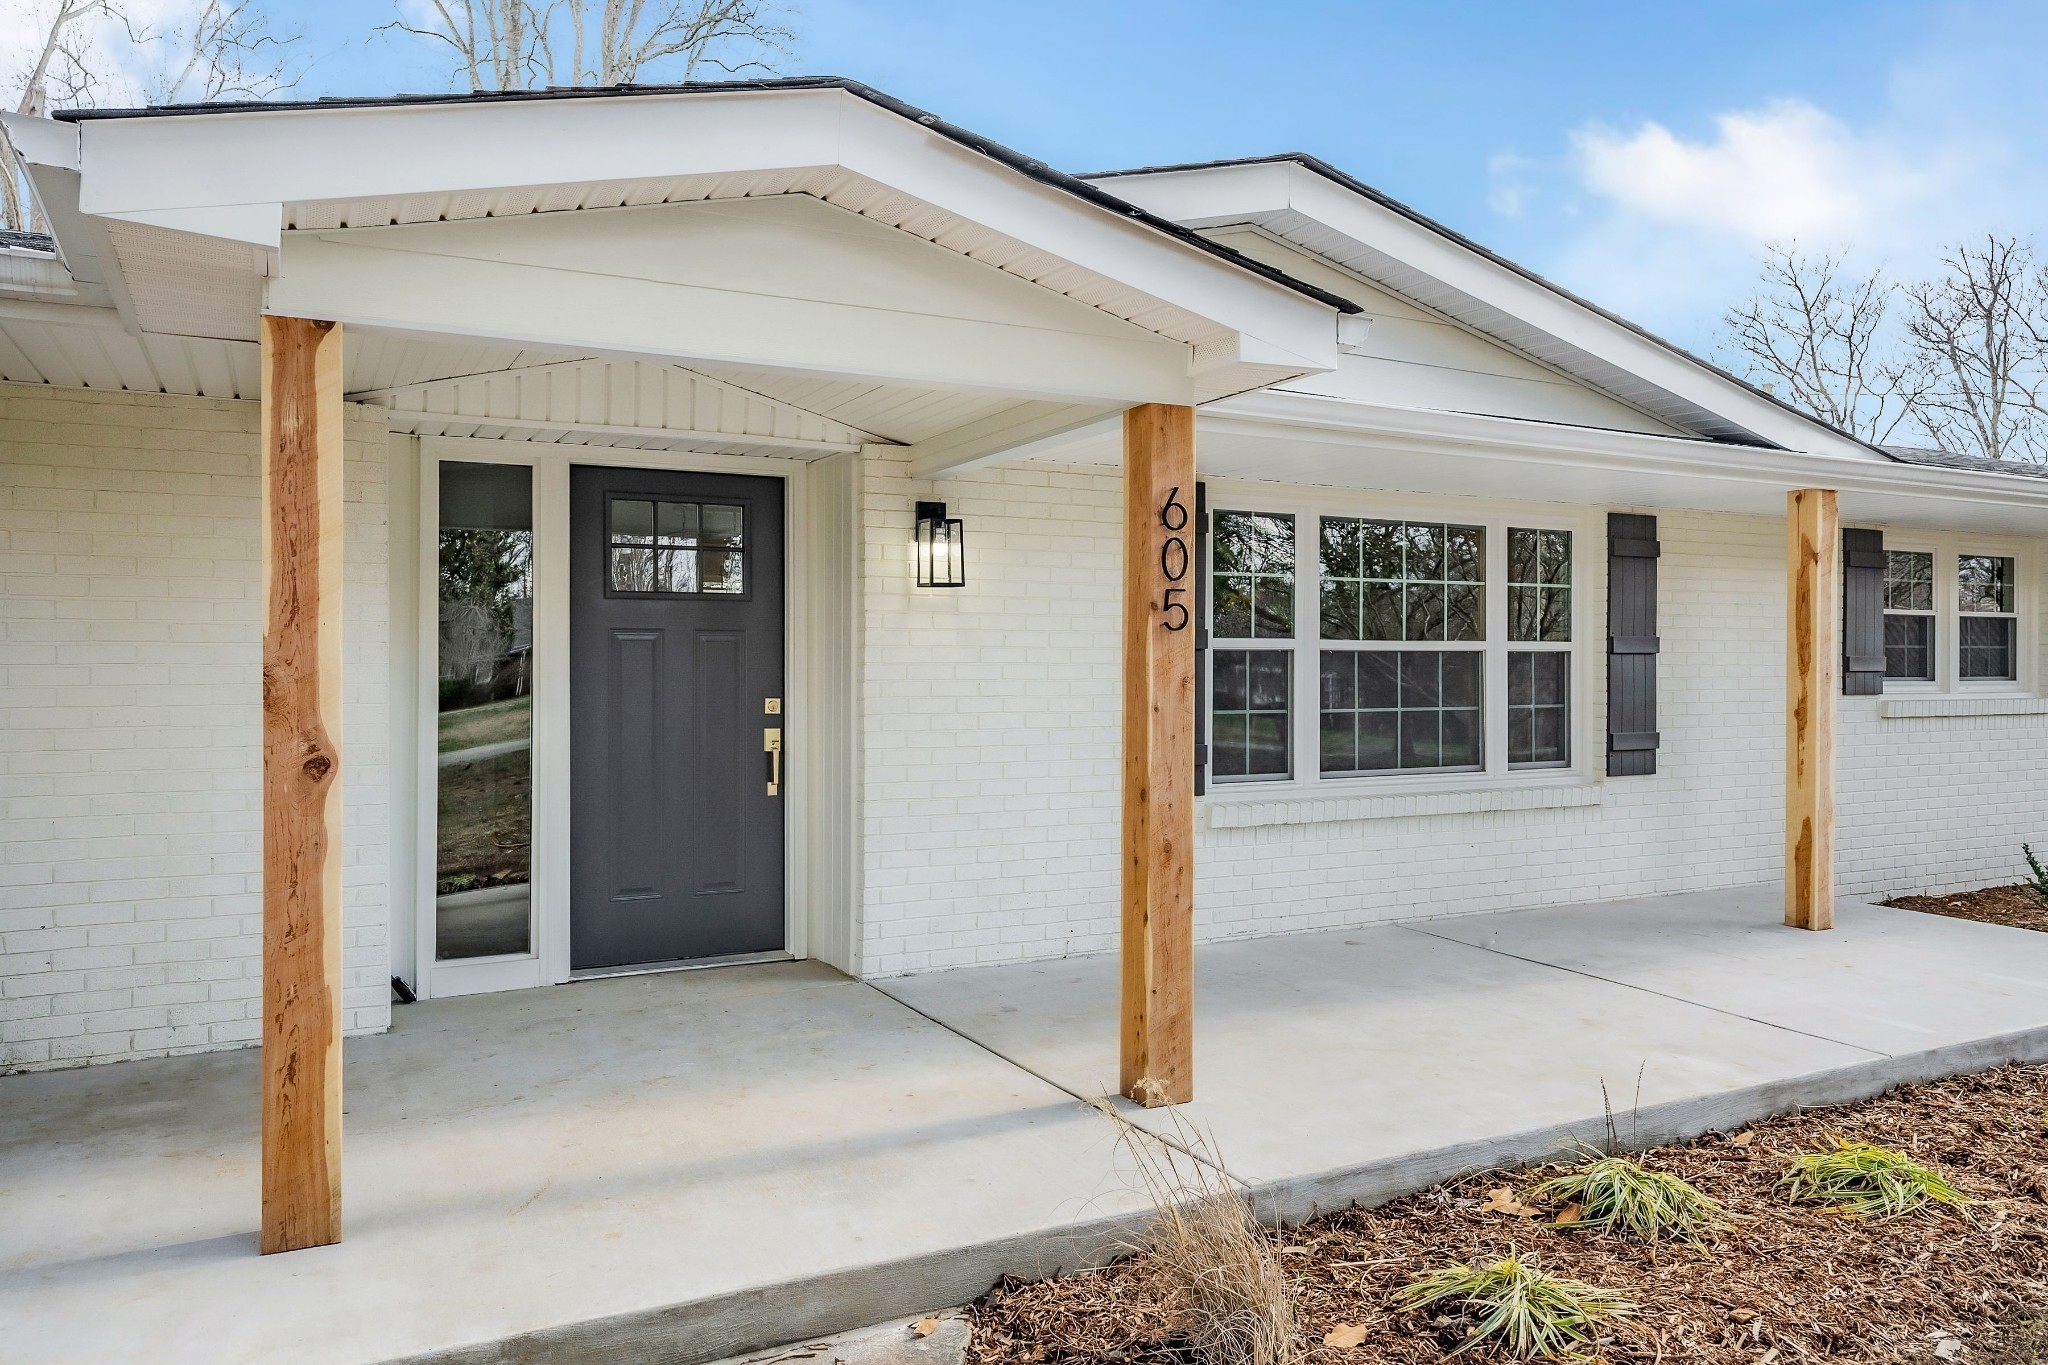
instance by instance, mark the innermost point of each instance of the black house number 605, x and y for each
(1173, 560)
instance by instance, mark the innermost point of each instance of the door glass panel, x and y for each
(656, 547)
(484, 764)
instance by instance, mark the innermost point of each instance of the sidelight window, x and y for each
(483, 769)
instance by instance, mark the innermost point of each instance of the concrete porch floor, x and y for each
(687, 1166)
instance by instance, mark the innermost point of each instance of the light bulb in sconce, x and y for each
(941, 548)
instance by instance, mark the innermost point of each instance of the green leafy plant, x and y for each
(1861, 1178)
(1619, 1195)
(2039, 874)
(1514, 1304)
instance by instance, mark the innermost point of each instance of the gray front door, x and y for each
(676, 631)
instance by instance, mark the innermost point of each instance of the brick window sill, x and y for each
(1251, 812)
(2011, 704)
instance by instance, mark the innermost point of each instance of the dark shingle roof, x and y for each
(1944, 459)
(27, 241)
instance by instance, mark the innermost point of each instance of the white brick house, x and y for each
(563, 366)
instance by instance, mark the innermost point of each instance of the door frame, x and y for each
(548, 962)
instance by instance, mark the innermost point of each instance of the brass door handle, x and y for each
(771, 744)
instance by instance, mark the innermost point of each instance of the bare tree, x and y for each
(64, 62)
(226, 48)
(1814, 334)
(526, 44)
(1980, 335)
(493, 39)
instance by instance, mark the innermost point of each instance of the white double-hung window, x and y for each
(1350, 646)
(1953, 617)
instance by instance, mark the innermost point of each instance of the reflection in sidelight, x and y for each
(484, 845)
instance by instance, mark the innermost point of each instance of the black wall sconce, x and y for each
(941, 548)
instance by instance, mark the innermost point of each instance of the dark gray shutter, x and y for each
(1862, 613)
(1631, 645)
(1201, 638)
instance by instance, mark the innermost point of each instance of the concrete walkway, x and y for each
(1360, 1064)
(690, 1166)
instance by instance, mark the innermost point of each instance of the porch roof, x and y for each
(413, 215)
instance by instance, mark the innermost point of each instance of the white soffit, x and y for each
(179, 284)
(1424, 263)
(87, 348)
(639, 404)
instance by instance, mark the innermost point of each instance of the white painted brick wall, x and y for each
(991, 812)
(991, 723)
(130, 852)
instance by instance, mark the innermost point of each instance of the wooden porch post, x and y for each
(1159, 755)
(302, 531)
(1813, 653)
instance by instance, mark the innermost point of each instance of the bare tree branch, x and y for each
(227, 50)
(1814, 334)
(64, 61)
(1980, 334)
(528, 44)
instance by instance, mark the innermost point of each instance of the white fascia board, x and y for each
(1278, 324)
(259, 225)
(284, 156)
(1217, 196)
(1417, 431)
(42, 141)
(1209, 196)
(166, 169)
(562, 307)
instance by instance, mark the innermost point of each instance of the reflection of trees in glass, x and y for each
(486, 615)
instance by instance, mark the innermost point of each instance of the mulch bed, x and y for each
(1784, 1284)
(2019, 906)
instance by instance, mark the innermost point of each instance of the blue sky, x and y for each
(1637, 152)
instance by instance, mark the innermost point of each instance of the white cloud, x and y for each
(1510, 183)
(1666, 226)
(1786, 171)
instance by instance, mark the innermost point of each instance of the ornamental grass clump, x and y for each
(1211, 1265)
(1615, 1194)
(1862, 1178)
(1515, 1305)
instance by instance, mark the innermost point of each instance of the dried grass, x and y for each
(2021, 1342)
(1207, 1262)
